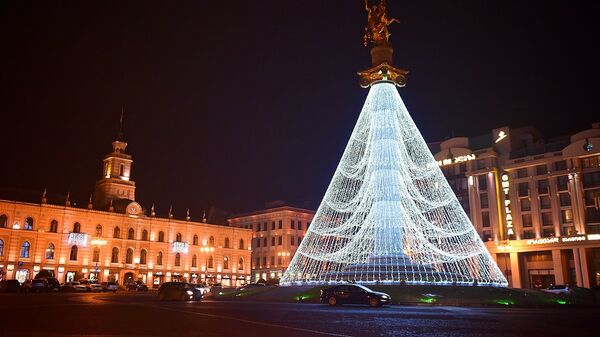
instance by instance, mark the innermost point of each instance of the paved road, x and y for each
(128, 314)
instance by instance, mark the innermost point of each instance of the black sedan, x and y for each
(178, 291)
(354, 294)
(137, 286)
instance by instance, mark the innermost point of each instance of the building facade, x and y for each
(276, 234)
(113, 239)
(535, 203)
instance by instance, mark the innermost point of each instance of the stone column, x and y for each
(515, 270)
(585, 273)
(559, 277)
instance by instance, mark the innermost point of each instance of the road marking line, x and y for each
(255, 322)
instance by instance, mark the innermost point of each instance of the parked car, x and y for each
(201, 287)
(178, 291)
(73, 286)
(95, 287)
(137, 286)
(558, 289)
(87, 284)
(354, 294)
(53, 284)
(38, 286)
(10, 286)
(252, 285)
(109, 286)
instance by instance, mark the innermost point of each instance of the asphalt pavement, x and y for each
(141, 314)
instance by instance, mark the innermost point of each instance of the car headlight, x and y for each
(385, 296)
(189, 292)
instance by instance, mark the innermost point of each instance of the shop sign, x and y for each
(566, 239)
(180, 247)
(78, 239)
(456, 160)
(508, 217)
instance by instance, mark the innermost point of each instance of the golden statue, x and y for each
(376, 30)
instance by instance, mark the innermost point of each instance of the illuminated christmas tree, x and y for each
(389, 215)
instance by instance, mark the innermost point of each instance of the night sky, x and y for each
(235, 103)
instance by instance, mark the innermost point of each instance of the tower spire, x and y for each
(120, 136)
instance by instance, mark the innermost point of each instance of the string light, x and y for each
(389, 215)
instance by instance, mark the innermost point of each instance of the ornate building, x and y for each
(114, 239)
(535, 203)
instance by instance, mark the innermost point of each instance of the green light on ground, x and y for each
(427, 300)
(561, 301)
(505, 302)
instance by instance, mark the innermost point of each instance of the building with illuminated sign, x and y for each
(276, 234)
(115, 239)
(535, 203)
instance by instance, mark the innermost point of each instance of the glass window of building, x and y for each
(280, 224)
(523, 189)
(299, 225)
(98, 230)
(480, 164)
(258, 227)
(272, 260)
(129, 256)
(241, 263)
(225, 263)
(144, 256)
(257, 242)
(292, 226)
(528, 234)
(299, 240)
(177, 260)
(273, 225)
(566, 215)
(543, 186)
(292, 241)
(564, 198)
(590, 162)
(211, 241)
(560, 165)
(227, 243)
(53, 226)
(264, 226)
(486, 236)
(73, 255)
(273, 241)
(96, 255)
(161, 236)
(525, 204)
(257, 262)
(130, 234)
(114, 256)
(117, 233)
(50, 251)
(159, 257)
(483, 199)
(1, 247)
(25, 249)
(279, 240)
(144, 235)
(545, 202)
(76, 227)
(547, 219)
(279, 261)
(3, 221)
(485, 219)
(265, 241)
(28, 224)
(522, 173)
(241, 245)
(462, 167)
(482, 182)
(178, 237)
(526, 218)
(568, 230)
(591, 179)
(264, 261)
(547, 232)
(562, 183)
(541, 169)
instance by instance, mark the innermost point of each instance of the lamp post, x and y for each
(504, 246)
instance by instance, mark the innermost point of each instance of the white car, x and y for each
(558, 289)
(96, 287)
(202, 288)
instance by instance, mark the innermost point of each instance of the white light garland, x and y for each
(389, 215)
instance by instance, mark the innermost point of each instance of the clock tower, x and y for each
(116, 180)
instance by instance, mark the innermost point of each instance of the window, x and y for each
(25, 249)
(265, 242)
(117, 233)
(194, 261)
(121, 169)
(1, 248)
(279, 240)
(560, 165)
(178, 237)
(566, 215)
(73, 255)
(258, 227)
(241, 264)
(528, 235)
(487, 236)
(590, 162)
(485, 219)
(523, 189)
(272, 261)
(161, 236)
(273, 241)
(541, 170)
(522, 173)
(241, 246)
(273, 225)
(53, 226)
(225, 262)
(258, 261)
(210, 263)
(543, 186)
(130, 234)
(482, 182)
(525, 204)
(98, 230)
(159, 259)
(76, 227)
(257, 242)
(562, 183)
(195, 240)
(292, 241)
(96, 255)
(547, 219)
(565, 199)
(568, 230)
(265, 226)
(50, 252)
(143, 256)
(299, 225)
(527, 220)
(483, 198)
(545, 202)
(28, 223)
(299, 240)
(211, 241)
(280, 224)
(547, 232)
(144, 235)
(177, 260)
(292, 226)
(591, 179)
(114, 256)
(264, 261)
(129, 256)
(226, 242)
(3, 221)
(279, 260)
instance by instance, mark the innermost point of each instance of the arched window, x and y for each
(225, 262)
(73, 255)
(194, 261)
(144, 235)
(210, 262)
(130, 234)
(117, 233)
(241, 244)
(28, 223)
(195, 241)
(161, 236)
(129, 256)
(177, 260)
(76, 227)
(25, 249)
(3, 221)
(1, 248)
(226, 242)
(50, 251)
(106, 173)
(143, 255)
(114, 257)
(121, 169)
(159, 258)
(178, 237)
(53, 226)
(211, 242)
(241, 263)
(98, 230)
(96, 255)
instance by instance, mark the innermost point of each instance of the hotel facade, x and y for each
(115, 239)
(276, 234)
(535, 203)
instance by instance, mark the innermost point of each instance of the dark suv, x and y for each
(354, 294)
(178, 291)
(137, 286)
